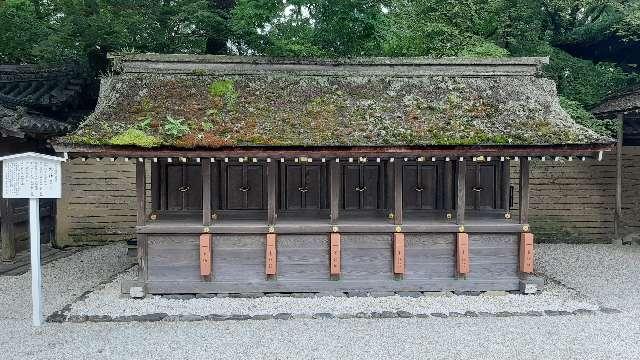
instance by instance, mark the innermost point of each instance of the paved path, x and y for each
(605, 274)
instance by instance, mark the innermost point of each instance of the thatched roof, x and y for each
(626, 101)
(182, 101)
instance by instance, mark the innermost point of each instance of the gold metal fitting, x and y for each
(461, 228)
(525, 227)
(153, 216)
(272, 229)
(391, 216)
(398, 229)
(334, 229)
(214, 216)
(507, 215)
(206, 229)
(449, 216)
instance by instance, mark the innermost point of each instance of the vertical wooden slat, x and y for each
(205, 256)
(505, 182)
(618, 214)
(143, 274)
(462, 253)
(163, 184)
(461, 189)
(206, 191)
(141, 193)
(448, 191)
(215, 186)
(334, 190)
(155, 186)
(272, 184)
(271, 266)
(524, 190)
(397, 192)
(334, 239)
(526, 252)
(398, 253)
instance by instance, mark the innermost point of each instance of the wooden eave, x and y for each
(338, 151)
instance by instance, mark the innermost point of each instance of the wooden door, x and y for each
(482, 187)
(303, 187)
(420, 186)
(244, 187)
(184, 187)
(361, 187)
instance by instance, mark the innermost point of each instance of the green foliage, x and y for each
(586, 119)
(224, 89)
(137, 137)
(175, 128)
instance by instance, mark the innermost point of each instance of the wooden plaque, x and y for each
(271, 255)
(398, 253)
(335, 253)
(205, 255)
(526, 252)
(462, 249)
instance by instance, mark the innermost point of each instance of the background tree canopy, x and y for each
(594, 45)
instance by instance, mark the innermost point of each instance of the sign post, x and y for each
(33, 176)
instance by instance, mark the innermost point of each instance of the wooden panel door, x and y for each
(420, 186)
(361, 187)
(483, 184)
(303, 187)
(184, 187)
(244, 187)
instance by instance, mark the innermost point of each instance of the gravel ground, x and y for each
(604, 274)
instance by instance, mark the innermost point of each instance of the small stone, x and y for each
(376, 315)
(455, 314)
(136, 292)
(345, 316)
(190, 317)
(172, 318)
(216, 317)
(528, 288)
(262, 317)
(152, 317)
(535, 313)
(357, 294)
(331, 293)
(583, 312)
(388, 315)
(608, 310)
(283, 316)
(205, 296)
(439, 315)
(422, 316)
(239, 317)
(404, 314)
(470, 314)
(77, 318)
(379, 294)
(494, 293)
(57, 317)
(556, 312)
(179, 296)
(323, 316)
(99, 318)
(302, 316)
(363, 315)
(413, 294)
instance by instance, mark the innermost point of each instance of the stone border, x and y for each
(319, 316)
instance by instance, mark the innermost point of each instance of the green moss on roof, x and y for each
(300, 110)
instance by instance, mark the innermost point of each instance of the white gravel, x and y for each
(108, 301)
(605, 275)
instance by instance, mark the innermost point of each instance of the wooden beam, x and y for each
(524, 190)
(397, 192)
(448, 189)
(141, 194)
(398, 253)
(334, 190)
(462, 254)
(271, 258)
(334, 267)
(526, 252)
(206, 191)
(155, 186)
(205, 256)
(461, 189)
(618, 214)
(506, 184)
(272, 185)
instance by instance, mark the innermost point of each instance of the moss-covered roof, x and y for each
(212, 102)
(625, 101)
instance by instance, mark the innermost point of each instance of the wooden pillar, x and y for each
(141, 202)
(334, 190)
(272, 185)
(618, 215)
(155, 186)
(461, 190)
(524, 190)
(7, 233)
(397, 193)
(448, 191)
(506, 185)
(206, 191)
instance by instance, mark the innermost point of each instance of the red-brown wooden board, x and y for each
(526, 252)
(271, 255)
(462, 247)
(205, 255)
(335, 253)
(398, 253)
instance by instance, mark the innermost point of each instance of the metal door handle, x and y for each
(419, 189)
(477, 189)
(361, 188)
(244, 188)
(184, 188)
(303, 189)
